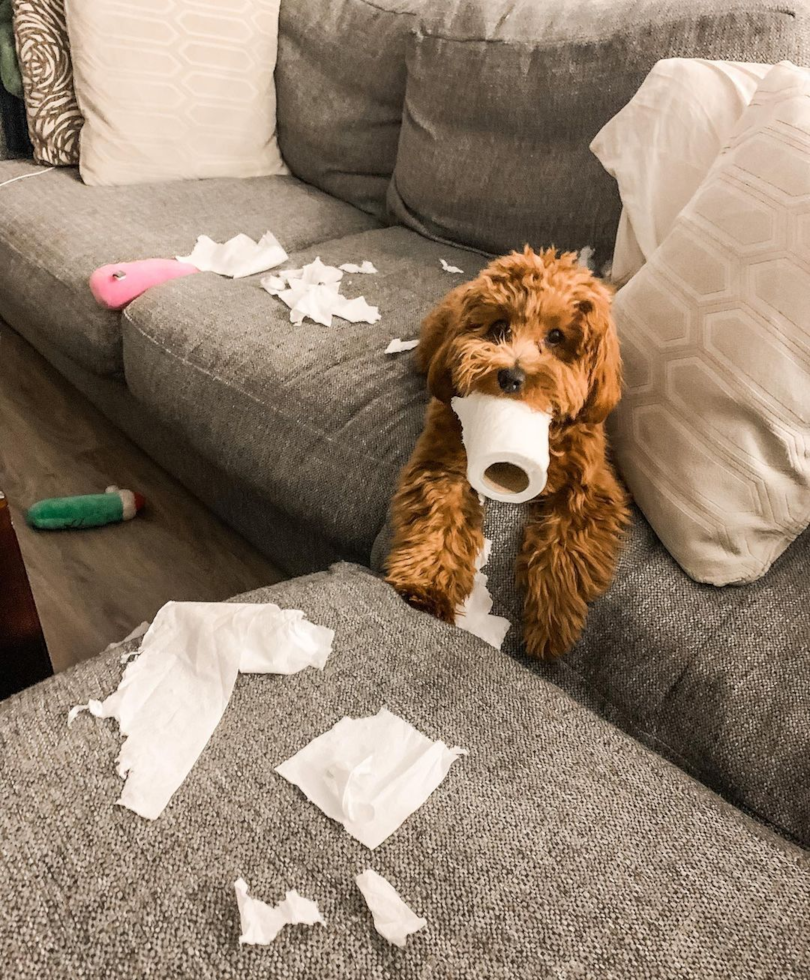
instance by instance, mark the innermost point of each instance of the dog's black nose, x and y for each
(511, 379)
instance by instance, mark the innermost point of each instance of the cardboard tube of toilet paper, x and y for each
(507, 446)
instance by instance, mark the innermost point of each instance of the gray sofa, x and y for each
(415, 131)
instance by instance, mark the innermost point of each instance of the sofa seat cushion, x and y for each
(716, 680)
(318, 419)
(558, 847)
(54, 231)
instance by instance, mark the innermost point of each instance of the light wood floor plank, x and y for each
(93, 586)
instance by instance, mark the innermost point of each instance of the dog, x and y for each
(533, 326)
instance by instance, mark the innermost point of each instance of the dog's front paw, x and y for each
(541, 644)
(428, 599)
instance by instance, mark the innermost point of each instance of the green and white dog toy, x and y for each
(92, 510)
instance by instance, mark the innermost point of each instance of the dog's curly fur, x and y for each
(550, 317)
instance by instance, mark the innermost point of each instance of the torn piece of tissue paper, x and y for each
(397, 346)
(393, 919)
(370, 774)
(366, 268)
(585, 258)
(314, 291)
(261, 923)
(173, 695)
(240, 256)
(450, 268)
(475, 614)
(136, 634)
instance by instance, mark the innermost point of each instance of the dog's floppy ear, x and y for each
(439, 328)
(605, 371)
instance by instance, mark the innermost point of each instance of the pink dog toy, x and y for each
(114, 286)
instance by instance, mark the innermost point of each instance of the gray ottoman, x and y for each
(558, 848)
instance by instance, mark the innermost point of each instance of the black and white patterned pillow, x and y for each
(54, 119)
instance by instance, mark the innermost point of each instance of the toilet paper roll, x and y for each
(507, 446)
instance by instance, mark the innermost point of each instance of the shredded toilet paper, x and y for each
(366, 268)
(261, 923)
(450, 268)
(240, 256)
(370, 774)
(172, 697)
(314, 291)
(136, 634)
(393, 919)
(397, 346)
(585, 258)
(475, 614)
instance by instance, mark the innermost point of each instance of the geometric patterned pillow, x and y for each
(713, 432)
(175, 89)
(54, 119)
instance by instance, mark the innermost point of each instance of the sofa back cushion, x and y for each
(504, 96)
(340, 80)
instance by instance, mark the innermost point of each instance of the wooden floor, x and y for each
(93, 586)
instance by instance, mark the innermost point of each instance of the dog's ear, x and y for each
(605, 369)
(439, 327)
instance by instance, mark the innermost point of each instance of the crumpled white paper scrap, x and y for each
(366, 268)
(393, 919)
(370, 774)
(450, 268)
(172, 697)
(585, 258)
(475, 615)
(397, 346)
(136, 634)
(240, 256)
(314, 291)
(261, 923)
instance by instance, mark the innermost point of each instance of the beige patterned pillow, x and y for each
(54, 120)
(175, 89)
(713, 434)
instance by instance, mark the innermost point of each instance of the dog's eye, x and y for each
(499, 330)
(554, 337)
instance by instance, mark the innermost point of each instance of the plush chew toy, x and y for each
(114, 286)
(92, 510)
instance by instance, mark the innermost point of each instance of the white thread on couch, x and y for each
(23, 176)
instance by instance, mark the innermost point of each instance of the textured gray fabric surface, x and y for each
(558, 848)
(340, 82)
(54, 231)
(291, 545)
(716, 680)
(504, 96)
(318, 420)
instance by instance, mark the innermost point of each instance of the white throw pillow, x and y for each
(713, 433)
(173, 89)
(660, 146)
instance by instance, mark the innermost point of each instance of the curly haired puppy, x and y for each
(538, 328)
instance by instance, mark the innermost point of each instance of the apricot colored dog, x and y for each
(535, 327)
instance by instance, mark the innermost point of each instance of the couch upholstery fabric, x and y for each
(54, 231)
(340, 81)
(716, 680)
(557, 847)
(504, 96)
(319, 419)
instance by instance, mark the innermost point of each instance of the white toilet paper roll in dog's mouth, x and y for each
(507, 446)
